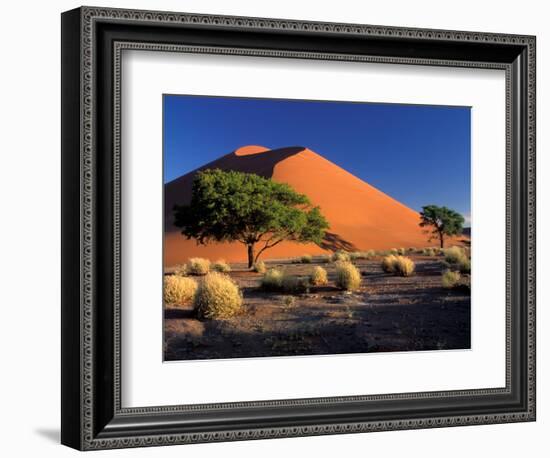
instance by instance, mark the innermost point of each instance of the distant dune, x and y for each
(360, 216)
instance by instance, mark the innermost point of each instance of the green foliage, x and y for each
(348, 276)
(178, 290)
(442, 221)
(217, 297)
(318, 276)
(229, 206)
(198, 266)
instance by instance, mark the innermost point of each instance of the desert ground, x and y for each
(387, 313)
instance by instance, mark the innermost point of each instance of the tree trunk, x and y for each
(441, 239)
(250, 247)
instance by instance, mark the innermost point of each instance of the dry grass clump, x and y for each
(221, 266)
(272, 280)
(394, 251)
(324, 258)
(429, 252)
(464, 265)
(361, 255)
(294, 284)
(401, 251)
(306, 259)
(450, 279)
(181, 270)
(388, 263)
(454, 254)
(340, 256)
(259, 267)
(348, 276)
(404, 266)
(318, 276)
(398, 265)
(198, 266)
(217, 297)
(178, 290)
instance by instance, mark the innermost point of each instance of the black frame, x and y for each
(92, 42)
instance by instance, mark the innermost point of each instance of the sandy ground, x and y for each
(388, 313)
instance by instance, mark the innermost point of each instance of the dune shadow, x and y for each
(334, 242)
(178, 191)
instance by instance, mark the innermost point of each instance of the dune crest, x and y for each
(361, 217)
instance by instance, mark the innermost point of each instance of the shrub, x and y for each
(318, 276)
(388, 263)
(198, 266)
(294, 284)
(259, 267)
(464, 266)
(399, 265)
(289, 301)
(348, 276)
(325, 258)
(450, 279)
(178, 290)
(341, 255)
(306, 259)
(217, 296)
(454, 254)
(401, 251)
(361, 255)
(272, 280)
(403, 266)
(181, 270)
(221, 266)
(371, 253)
(393, 251)
(429, 252)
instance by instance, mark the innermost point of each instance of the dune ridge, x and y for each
(361, 217)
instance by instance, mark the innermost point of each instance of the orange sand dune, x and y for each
(360, 216)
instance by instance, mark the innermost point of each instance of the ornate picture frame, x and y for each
(93, 416)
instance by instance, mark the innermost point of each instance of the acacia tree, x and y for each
(229, 206)
(443, 221)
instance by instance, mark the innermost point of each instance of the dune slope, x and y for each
(360, 216)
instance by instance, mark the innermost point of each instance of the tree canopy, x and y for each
(443, 222)
(228, 206)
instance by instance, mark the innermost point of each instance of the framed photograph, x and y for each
(278, 228)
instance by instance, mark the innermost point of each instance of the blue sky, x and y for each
(417, 154)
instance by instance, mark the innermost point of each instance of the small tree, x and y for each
(443, 221)
(228, 206)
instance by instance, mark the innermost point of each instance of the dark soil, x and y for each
(388, 313)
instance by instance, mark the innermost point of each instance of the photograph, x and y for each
(307, 227)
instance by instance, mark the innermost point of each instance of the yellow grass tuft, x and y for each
(259, 267)
(221, 266)
(306, 259)
(340, 255)
(198, 266)
(454, 254)
(272, 280)
(450, 279)
(217, 297)
(348, 276)
(318, 276)
(178, 290)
